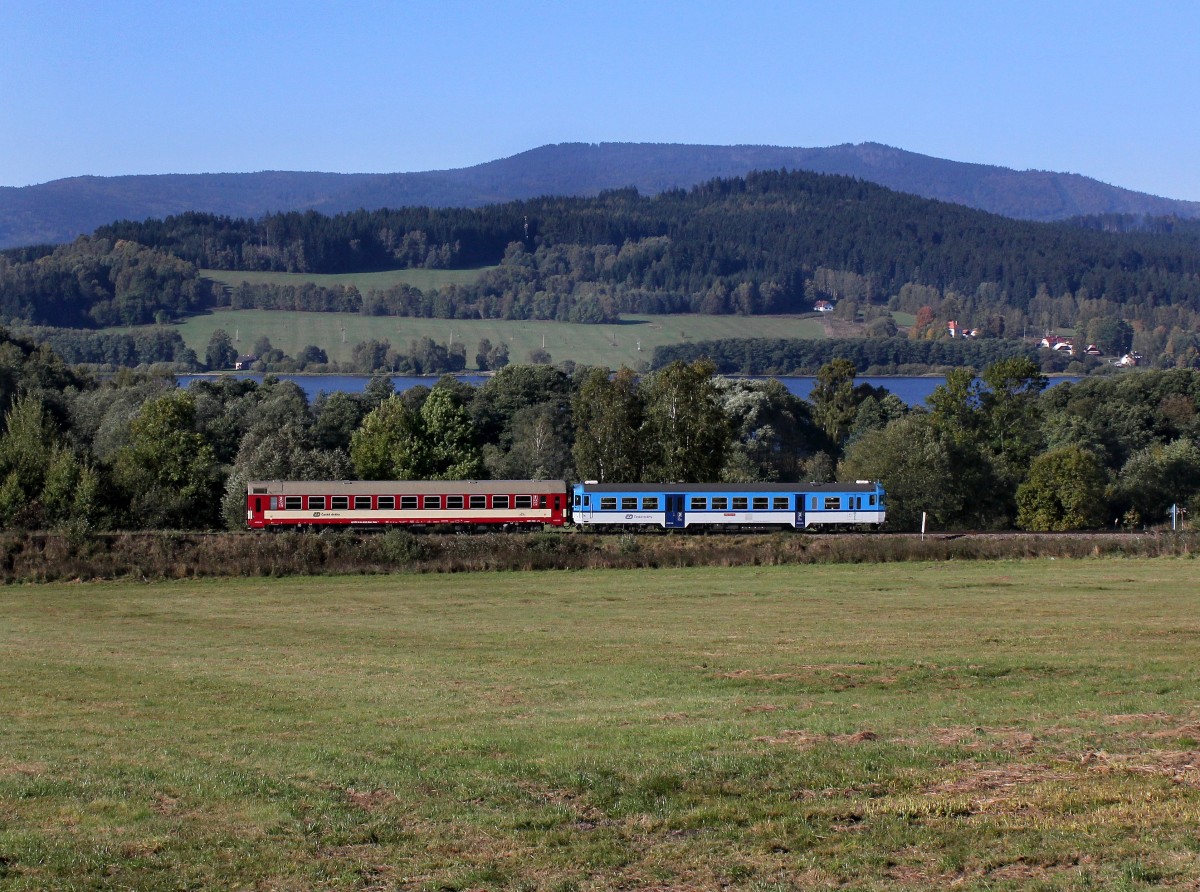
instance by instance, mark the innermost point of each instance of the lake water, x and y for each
(912, 389)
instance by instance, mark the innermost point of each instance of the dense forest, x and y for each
(770, 230)
(767, 243)
(991, 450)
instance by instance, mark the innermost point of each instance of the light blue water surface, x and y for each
(912, 389)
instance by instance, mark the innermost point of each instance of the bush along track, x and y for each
(45, 557)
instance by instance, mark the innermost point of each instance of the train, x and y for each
(534, 504)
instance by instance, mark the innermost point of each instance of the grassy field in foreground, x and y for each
(990, 725)
(630, 343)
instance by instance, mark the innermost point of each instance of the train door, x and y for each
(255, 509)
(799, 510)
(583, 508)
(674, 516)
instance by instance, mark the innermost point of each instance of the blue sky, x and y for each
(1110, 90)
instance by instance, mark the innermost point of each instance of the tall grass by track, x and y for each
(998, 725)
(48, 557)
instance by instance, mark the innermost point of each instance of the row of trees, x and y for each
(794, 356)
(987, 451)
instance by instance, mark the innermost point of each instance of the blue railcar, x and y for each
(727, 505)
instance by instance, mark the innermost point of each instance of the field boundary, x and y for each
(47, 557)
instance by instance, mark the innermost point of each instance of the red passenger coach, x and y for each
(459, 504)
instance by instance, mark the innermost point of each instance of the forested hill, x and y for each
(787, 237)
(60, 210)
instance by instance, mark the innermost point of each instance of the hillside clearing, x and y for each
(629, 343)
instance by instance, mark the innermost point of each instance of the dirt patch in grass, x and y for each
(971, 777)
(27, 769)
(1190, 729)
(370, 800)
(1139, 718)
(164, 804)
(588, 817)
(1181, 767)
(927, 875)
(1011, 740)
(807, 738)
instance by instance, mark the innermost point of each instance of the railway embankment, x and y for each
(45, 557)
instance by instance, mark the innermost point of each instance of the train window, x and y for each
(720, 503)
(274, 502)
(454, 502)
(740, 503)
(316, 503)
(499, 501)
(478, 502)
(527, 501)
(698, 503)
(578, 500)
(833, 503)
(780, 503)
(434, 503)
(650, 503)
(292, 503)
(387, 503)
(761, 503)
(362, 503)
(608, 503)
(541, 501)
(339, 503)
(407, 503)
(871, 501)
(628, 503)
(258, 504)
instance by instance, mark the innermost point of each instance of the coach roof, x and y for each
(398, 487)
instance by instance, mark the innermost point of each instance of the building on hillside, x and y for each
(244, 363)
(1062, 345)
(823, 306)
(1129, 360)
(957, 331)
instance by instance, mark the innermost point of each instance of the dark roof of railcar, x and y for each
(390, 487)
(686, 488)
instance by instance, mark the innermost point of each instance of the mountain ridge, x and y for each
(60, 210)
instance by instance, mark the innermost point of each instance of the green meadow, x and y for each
(364, 282)
(630, 343)
(990, 725)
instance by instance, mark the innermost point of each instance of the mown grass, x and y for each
(989, 725)
(630, 343)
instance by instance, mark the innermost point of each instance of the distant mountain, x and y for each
(62, 209)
